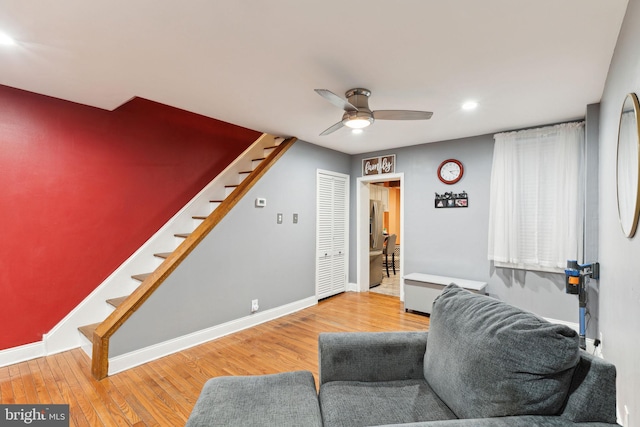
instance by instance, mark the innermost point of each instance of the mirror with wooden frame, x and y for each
(628, 165)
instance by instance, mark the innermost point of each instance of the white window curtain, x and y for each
(536, 196)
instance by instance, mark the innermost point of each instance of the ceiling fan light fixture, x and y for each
(358, 115)
(358, 123)
(357, 119)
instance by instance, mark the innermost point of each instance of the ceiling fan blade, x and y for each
(336, 100)
(332, 129)
(401, 115)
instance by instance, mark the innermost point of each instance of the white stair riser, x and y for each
(228, 191)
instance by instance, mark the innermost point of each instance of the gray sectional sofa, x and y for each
(482, 363)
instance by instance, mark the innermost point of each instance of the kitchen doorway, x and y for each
(367, 258)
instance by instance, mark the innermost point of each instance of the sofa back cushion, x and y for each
(485, 358)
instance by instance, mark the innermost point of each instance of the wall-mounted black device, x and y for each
(577, 276)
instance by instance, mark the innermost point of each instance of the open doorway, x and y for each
(385, 237)
(387, 191)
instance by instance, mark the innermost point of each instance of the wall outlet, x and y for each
(254, 305)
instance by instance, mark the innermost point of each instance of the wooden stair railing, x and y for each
(124, 310)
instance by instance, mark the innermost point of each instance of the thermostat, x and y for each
(261, 202)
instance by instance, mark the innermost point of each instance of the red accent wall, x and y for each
(82, 188)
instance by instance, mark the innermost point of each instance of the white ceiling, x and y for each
(255, 63)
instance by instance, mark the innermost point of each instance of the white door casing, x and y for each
(362, 228)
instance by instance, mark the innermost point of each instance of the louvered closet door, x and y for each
(331, 248)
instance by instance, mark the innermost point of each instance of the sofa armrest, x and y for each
(371, 356)
(592, 395)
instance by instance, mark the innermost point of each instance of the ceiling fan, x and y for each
(357, 114)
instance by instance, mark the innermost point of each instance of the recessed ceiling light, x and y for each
(356, 131)
(6, 40)
(470, 105)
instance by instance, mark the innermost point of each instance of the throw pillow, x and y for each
(486, 358)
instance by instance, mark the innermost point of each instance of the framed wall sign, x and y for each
(379, 165)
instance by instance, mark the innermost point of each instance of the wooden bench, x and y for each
(421, 289)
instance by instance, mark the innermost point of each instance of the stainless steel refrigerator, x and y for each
(376, 242)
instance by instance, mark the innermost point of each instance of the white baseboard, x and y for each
(19, 354)
(148, 354)
(352, 287)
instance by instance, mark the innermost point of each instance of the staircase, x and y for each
(122, 293)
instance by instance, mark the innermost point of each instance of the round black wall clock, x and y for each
(450, 171)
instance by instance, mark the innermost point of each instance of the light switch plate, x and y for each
(279, 218)
(295, 218)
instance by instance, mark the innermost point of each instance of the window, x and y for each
(536, 194)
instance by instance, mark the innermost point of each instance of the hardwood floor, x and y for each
(163, 392)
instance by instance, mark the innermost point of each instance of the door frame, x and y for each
(362, 228)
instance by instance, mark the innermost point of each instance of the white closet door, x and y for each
(324, 236)
(332, 233)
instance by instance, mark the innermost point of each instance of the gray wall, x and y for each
(247, 256)
(440, 241)
(453, 242)
(619, 256)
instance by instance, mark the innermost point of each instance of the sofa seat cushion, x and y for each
(486, 358)
(355, 403)
(286, 399)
